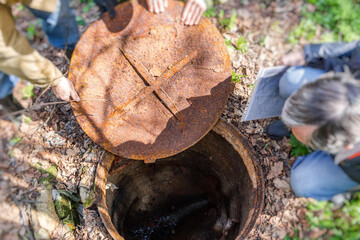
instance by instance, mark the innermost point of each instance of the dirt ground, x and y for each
(51, 136)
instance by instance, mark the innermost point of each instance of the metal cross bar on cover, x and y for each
(154, 84)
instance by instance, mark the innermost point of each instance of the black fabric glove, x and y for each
(107, 5)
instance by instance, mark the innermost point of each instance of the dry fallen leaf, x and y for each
(276, 170)
(281, 184)
(281, 233)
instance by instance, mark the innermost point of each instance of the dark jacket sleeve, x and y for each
(330, 56)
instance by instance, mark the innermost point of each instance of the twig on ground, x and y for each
(29, 201)
(66, 144)
(41, 94)
(38, 106)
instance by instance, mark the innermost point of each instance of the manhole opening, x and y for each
(204, 192)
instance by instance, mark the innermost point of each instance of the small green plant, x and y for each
(31, 32)
(14, 141)
(237, 77)
(28, 120)
(262, 41)
(210, 13)
(28, 92)
(298, 148)
(241, 44)
(228, 42)
(221, 14)
(229, 45)
(80, 20)
(88, 6)
(227, 23)
(21, 7)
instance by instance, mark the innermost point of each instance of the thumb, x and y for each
(74, 94)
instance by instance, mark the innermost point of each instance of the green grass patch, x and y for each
(343, 223)
(341, 19)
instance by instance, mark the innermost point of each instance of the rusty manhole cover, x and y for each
(150, 86)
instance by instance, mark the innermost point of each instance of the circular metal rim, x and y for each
(227, 131)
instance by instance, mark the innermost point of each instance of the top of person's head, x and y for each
(332, 102)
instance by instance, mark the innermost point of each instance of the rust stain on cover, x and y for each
(147, 116)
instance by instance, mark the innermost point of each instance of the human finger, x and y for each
(190, 13)
(156, 6)
(74, 95)
(202, 7)
(197, 20)
(195, 15)
(150, 5)
(161, 5)
(186, 10)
